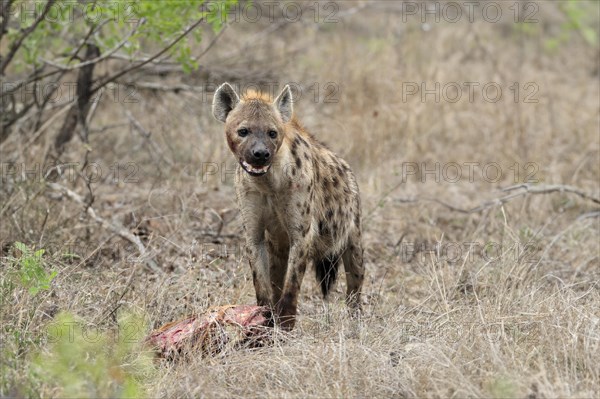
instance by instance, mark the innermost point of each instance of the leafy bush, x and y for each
(30, 269)
(116, 24)
(580, 19)
(84, 362)
(46, 40)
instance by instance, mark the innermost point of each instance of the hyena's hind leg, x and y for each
(355, 272)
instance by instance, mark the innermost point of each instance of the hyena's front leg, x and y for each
(278, 247)
(299, 260)
(259, 263)
(278, 260)
(256, 249)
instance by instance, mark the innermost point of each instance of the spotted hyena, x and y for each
(298, 200)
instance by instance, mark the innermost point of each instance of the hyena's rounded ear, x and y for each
(224, 101)
(284, 103)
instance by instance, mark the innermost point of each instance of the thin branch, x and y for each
(47, 96)
(6, 124)
(100, 58)
(17, 44)
(92, 30)
(212, 42)
(147, 136)
(16, 86)
(381, 201)
(545, 189)
(48, 122)
(118, 301)
(91, 112)
(115, 228)
(56, 86)
(161, 87)
(117, 75)
(5, 14)
(526, 189)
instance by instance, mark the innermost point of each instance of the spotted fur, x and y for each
(299, 201)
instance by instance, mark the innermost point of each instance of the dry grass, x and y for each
(500, 303)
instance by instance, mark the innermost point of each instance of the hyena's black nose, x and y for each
(261, 155)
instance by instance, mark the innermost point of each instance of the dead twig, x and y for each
(546, 189)
(122, 72)
(148, 137)
(99, 58)
(525, 189)
(47, 123)
(115, 228)
(162, 87)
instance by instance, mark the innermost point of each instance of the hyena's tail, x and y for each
(326, 270)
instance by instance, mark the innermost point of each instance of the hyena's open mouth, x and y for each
(254, 170)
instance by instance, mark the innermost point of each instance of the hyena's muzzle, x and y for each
(257, 152)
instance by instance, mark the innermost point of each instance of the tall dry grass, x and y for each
(499, 303)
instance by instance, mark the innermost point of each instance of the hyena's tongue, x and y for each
(250, 168)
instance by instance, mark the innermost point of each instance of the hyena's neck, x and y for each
(293, 163)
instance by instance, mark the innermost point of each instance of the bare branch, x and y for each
(117, 75)
(147, 136)
(100, 58)
(212, 42)
(47, 123)
(32, 78)
(6, 120)
(115, 228)
(527, 189)
(162, 87)
(546, 189)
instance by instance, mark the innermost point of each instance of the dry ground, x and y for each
(501, 302)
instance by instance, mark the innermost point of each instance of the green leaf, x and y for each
(21, 247)
(164, 20)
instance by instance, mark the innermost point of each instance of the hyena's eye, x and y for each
(272, 134)
(243, 132)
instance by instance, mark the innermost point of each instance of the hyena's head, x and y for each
(254, 125)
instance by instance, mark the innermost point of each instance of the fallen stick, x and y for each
(115, 228)
(527, 189)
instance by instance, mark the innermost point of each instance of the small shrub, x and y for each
(85, 362)
(30, 269)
